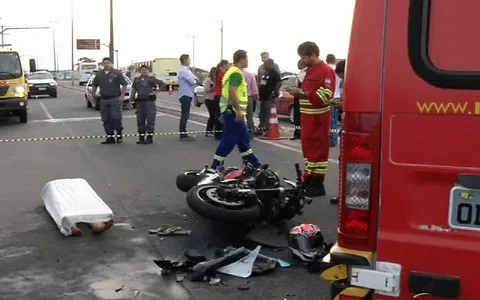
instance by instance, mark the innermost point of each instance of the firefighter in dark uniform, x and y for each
(109, 81)
(296, 101)
(145, 88)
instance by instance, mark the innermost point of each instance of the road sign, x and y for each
(88, 44)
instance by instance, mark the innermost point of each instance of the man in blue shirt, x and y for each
(186, 85)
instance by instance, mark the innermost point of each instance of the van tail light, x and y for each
(359, 181)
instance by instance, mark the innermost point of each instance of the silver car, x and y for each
(88, 92)
(199, 95)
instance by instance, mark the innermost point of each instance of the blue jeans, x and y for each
(234, 134)
(333, 126)
(186, 103)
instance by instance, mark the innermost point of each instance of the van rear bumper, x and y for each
(13, 104)
(335, 269)
(354, 273)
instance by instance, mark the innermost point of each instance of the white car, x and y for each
(41, 83)
(198, 96)
(88, 92)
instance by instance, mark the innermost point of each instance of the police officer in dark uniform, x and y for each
(144, 88)
(111, 99)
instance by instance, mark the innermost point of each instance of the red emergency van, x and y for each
(409, 210)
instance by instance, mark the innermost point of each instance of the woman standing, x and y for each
(217, 93)
(208, 87)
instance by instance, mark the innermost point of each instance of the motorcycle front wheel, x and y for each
(204, 201)
(188, 179)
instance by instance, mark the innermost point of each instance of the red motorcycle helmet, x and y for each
(306, 241)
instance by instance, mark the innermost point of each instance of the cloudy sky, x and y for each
(146, 29)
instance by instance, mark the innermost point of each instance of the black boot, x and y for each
(119, 137)
(110, 139)
(315, 186)
(149, 139)
(296, 135)
(141, 138)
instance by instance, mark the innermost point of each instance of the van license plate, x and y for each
(42, 89)
(464, 210)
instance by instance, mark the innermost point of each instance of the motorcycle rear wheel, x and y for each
(187, 180)
(201, 203)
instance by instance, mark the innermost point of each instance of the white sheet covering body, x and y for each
(70, 201)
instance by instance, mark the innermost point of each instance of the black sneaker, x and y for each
(149, 140)
(119, 137)
(187, 138)
(109, 140)
(315, 190)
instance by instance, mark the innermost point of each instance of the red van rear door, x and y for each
(429, 220)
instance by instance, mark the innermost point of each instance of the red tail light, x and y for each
(359, 181)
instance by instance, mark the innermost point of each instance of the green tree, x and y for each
(86, 60)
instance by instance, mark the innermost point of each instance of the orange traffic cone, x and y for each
(273, 128)
(170, 91)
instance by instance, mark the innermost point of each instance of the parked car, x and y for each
(198, 95)
(285, 103)
(88, 92)
(41, 83)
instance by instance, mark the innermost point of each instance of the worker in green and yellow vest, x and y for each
(233, 106)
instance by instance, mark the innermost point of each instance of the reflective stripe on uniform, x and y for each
(319, 167)
(246, 153)
(218, 157)
(305, 102)
(325, 95)
(314, 111)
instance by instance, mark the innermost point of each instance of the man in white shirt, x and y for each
(331, 61)
(186, 86)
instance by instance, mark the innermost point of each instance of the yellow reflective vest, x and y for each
(242, 91)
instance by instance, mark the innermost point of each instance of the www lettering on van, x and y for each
(449, 108)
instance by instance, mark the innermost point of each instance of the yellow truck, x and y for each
(13, 86)
(165, 69)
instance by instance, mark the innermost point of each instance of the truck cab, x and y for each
(13, 86)
(409, 205)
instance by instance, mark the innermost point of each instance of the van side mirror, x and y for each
(55, 78)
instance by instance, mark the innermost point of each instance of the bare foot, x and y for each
(76, 230)
(98, 228)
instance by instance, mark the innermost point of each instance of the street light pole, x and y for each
(73, 46)
(54, 52)
(193, 50)
(112, 47)
(3, 30)
(221, 40)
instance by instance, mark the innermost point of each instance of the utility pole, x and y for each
(73, 45)
(112, 47)
(193, 50)
(54, 53)
(221, 40)
(116, 51)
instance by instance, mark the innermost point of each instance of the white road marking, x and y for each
(82, 119)
(45, 110)
(285, 147)
(282, 146)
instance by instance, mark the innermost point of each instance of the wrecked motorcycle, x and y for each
(246, 195)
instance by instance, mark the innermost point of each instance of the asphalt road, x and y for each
(138, 183)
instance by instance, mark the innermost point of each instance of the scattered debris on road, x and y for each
(169, 229)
